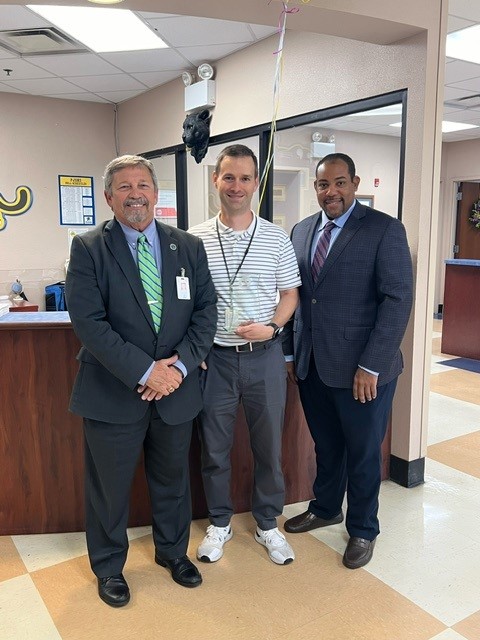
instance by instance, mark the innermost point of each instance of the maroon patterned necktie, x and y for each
(322, 249)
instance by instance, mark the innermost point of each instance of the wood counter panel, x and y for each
(461, 321)
(41, 442)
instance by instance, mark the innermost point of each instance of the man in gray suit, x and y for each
(138, 382)
(355, 302)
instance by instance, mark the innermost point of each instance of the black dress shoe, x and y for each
(184, 572)
(114, 590)
(308, 521)
(358, 552)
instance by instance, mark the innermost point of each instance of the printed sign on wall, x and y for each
(77, 204)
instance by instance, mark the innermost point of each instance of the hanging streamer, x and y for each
(282, 26)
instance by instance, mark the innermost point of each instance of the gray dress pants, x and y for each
(258, 380)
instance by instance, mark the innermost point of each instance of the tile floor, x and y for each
(422, 584)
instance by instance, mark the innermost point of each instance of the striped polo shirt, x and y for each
(269, 266)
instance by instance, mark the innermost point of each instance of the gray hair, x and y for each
(124, 162)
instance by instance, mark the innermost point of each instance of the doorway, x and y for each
(467, 237)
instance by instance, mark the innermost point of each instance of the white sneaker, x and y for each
(277, 546)
(211, 547)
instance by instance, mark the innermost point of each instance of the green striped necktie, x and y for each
(150, 279)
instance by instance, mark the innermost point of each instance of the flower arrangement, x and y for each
(474, 216)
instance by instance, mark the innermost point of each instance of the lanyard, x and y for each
(232, 280)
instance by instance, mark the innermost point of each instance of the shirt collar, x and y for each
(246, 233)
(132, 235)
(339, 222)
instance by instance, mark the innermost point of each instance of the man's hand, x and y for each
(291, 372)
(364, 386)
(163, 380)
(254, 331)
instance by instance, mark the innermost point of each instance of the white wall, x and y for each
(41, 139)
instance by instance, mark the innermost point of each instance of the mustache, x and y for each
(135, 201)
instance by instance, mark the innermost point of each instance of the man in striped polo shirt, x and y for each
(256, 277)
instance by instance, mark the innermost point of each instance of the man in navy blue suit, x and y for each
(355, 301)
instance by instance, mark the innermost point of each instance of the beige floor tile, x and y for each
(470, 627)
(457, 383)
(245, 596)
(11, 564)
(460, 453)
(373, 612)
(23, 615)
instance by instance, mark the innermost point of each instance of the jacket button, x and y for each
(154, 343)
(314, 301)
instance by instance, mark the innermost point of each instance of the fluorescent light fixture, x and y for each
(447, 126)
(102, 29)
(391, 110)
(463, 44)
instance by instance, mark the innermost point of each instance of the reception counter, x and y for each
(461, 320)
(41, 470)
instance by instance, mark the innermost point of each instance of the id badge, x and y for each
(183, 288)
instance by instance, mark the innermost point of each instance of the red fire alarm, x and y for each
(376, 182)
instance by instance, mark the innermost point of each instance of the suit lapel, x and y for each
(170, 269)
(117, 244)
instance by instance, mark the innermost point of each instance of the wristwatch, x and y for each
(276, 329)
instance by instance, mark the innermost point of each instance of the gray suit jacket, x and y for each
(357, 311)
(111, 317)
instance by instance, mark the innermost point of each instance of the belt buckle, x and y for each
(240, 348)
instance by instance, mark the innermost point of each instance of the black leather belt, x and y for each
(244, 348)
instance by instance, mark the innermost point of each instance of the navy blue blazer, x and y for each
(357, 311)
(111, 317)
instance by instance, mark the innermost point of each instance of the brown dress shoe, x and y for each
(308, 521)
(358, 552)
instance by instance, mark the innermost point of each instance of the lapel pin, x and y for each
(173, 247)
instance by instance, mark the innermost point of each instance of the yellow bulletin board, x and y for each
(77, 201)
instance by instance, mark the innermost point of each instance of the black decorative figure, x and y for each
(196, 133)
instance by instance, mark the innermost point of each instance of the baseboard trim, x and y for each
(407, 474)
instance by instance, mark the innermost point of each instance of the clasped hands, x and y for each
(164, 379)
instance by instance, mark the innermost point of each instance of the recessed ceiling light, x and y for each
(447, 126)
(101, 29)
(463, 44)
(391, 110)
(105, 1)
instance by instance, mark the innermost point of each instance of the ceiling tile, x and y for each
(455, 24)
(155, 78)
(4, 54)
(185, 31)
(81, 97)
(472, 85)
(17, 17)
(209, 53)
(5, 88)
(43, 86)
(467, 9)
(118, 96)
(458, 70)
(137, 61)
(74, 64)
(261, 31)
(22, 70)
(452, 93)
(117, 82)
